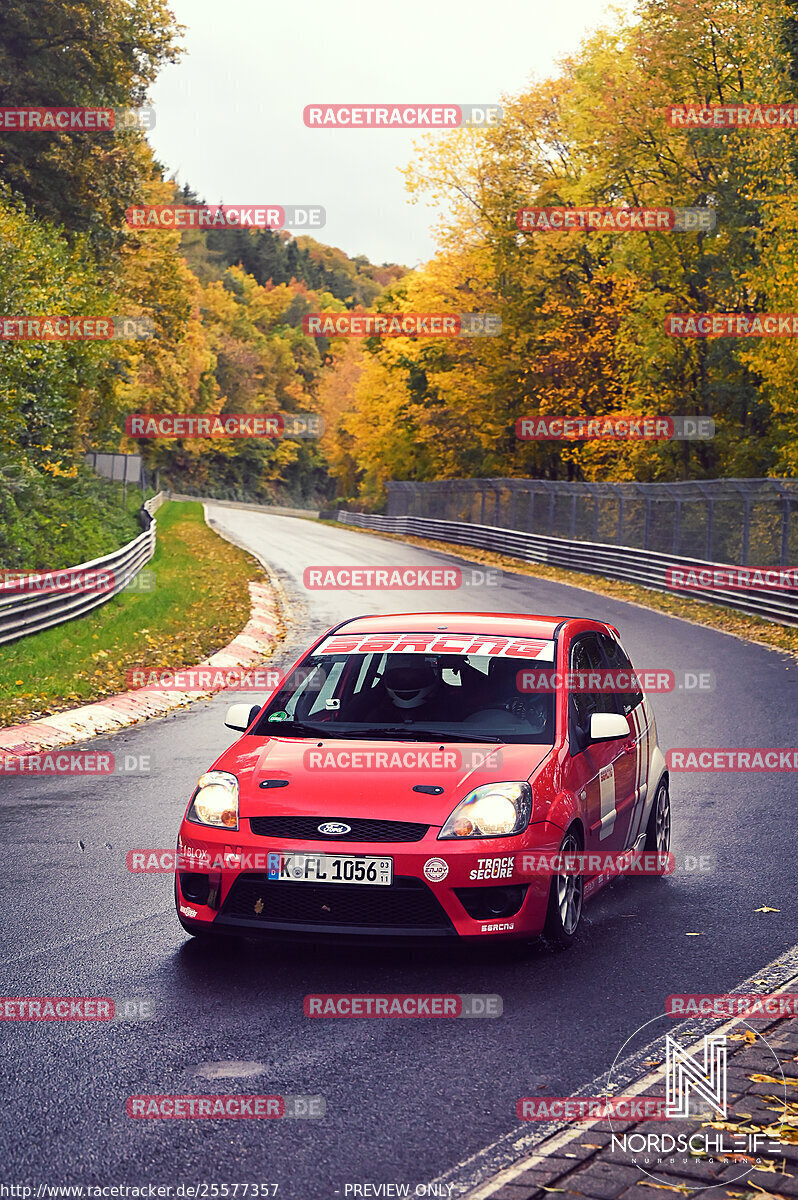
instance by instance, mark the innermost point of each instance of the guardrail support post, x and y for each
(746, 532)
(785, 530)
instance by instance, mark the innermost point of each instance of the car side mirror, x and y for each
(241, 716)
(607, 727)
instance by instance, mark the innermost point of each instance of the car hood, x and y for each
(317, 789)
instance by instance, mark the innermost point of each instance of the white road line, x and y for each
(497, 1164)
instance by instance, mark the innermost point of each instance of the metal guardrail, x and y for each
(644, 567)
(22, 613)
(278, 510)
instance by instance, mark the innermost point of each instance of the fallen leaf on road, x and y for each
(682, 1188)
(761, 1194)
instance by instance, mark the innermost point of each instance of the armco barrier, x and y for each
(30, 612)
(631, 565)
(277, 510)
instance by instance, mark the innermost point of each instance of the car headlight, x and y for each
(216, 800)
(493, 810)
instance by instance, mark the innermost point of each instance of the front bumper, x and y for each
(440, 890)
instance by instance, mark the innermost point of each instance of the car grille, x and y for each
(406, 904)
(363, 830)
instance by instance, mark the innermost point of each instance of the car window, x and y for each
(585, 658)
(617, 660)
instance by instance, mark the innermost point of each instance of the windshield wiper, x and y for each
(413, 733)
(409, 732)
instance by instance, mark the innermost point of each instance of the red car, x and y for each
(406, 775)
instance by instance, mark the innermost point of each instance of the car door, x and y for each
(594, 767)
(632, 767)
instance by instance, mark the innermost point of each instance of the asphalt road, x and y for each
(406, 1100)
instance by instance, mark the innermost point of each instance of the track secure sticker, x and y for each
(279, 716)
(493, 868)
(435, 869)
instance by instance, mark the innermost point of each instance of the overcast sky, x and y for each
(229, 114)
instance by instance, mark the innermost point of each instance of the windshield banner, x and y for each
(436, 643)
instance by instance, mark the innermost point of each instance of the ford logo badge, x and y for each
(335, 828)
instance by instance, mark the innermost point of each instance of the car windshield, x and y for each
(420, 697)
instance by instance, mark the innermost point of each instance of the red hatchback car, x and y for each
(405, 772)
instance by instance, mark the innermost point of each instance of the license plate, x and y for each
(330, 868)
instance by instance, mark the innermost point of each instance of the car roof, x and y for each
(507, 624)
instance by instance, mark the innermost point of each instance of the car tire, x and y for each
(566, 900)
(658, 830)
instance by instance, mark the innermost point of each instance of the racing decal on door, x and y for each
(640, 725)
(607, 793)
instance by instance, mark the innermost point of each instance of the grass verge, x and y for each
(200, 602)
(715, 616)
